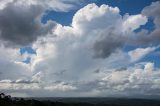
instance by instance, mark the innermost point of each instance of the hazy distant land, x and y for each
(7, 100)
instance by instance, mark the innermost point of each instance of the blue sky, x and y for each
(80, 48)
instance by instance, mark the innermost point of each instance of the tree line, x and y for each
(7, 100)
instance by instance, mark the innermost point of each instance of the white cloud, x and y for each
(37, 77)
(133, 81)
(60, 87)
(57, 5)
(11, 64)
(149, 67)
(139, 53)
(3, 3)
(92, 17)
(132, 22)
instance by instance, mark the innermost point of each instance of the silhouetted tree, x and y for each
(2, 95)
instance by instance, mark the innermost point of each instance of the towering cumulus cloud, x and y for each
(100, 53)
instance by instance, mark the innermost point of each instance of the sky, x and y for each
(80, 48)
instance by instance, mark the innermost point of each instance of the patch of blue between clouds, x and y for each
(64, 18)
(149, 26)
(27, 60)
(28, 50)
(127, 6)
(153, 57)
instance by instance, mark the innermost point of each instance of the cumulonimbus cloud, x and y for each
(66, 61)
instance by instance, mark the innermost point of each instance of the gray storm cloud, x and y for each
(153, 11)
(146, 37)
(21, 25)
(108, 43)
(20, 20)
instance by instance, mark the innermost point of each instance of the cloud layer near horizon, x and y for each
(83, 59)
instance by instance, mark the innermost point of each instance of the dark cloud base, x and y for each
(21, 25)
